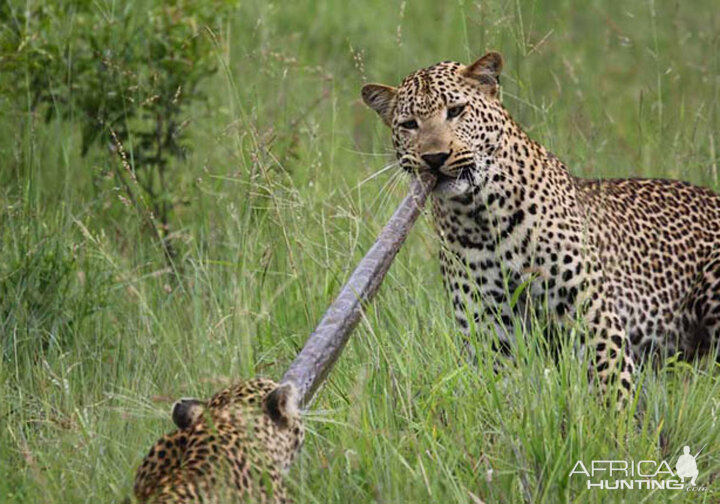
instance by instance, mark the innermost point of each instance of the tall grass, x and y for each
(98, 339)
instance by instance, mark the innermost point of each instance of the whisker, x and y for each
(462, 168)
(386, 152)
(387, 196)
(389, 183)
(409, 162)
(376, 174)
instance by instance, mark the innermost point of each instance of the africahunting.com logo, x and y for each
(641, 474)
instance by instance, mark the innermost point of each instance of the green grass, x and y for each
(97, 338)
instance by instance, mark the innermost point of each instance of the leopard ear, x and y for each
(281, 405)
(381, 99)
(486, 71)
(186, 411)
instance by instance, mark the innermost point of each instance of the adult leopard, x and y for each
(636, 260)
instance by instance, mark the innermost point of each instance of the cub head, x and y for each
(446, 118)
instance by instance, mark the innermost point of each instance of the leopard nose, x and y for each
(436, 160)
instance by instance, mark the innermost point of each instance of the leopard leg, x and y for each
(613, 359)
(701, 317)
(481, 307)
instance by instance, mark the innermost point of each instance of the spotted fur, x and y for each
(637, 261)
(233, 448)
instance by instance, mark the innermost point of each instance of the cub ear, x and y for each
(281, 405)
(186, 411)
(486, 71)
(381, 99)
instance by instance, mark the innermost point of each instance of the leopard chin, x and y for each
(452, 186)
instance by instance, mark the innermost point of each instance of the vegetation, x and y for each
(183, 189)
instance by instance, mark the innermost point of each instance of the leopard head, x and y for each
(446, 118)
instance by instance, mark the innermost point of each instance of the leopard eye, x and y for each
(455, 111)
(411, 124)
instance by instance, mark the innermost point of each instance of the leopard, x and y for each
(235, 447)
(634, 263)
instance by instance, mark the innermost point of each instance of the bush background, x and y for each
(272, 196)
